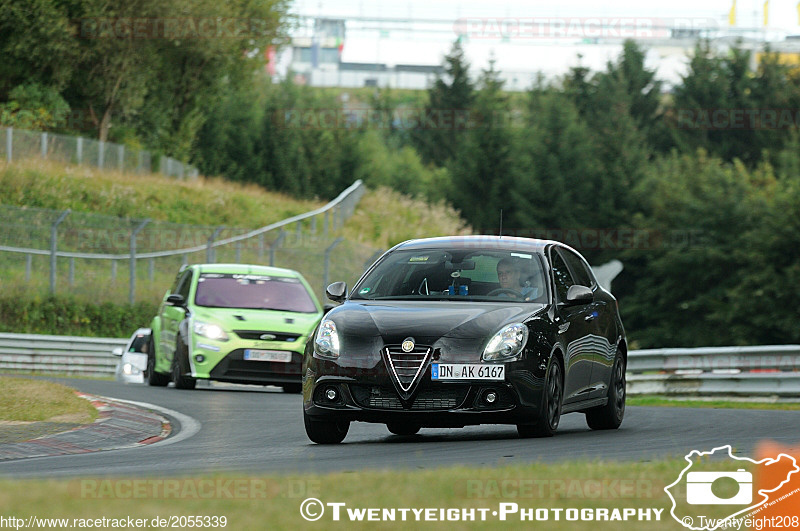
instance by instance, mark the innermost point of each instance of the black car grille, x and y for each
(255, 335)
(440, 397)
(406, 366)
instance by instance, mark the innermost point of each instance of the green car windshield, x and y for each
(254, 292)
(479, 275)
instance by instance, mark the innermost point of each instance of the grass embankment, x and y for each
(711, 403)
(94, 302)
(33, 408)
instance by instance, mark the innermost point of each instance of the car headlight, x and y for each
(507, 344)
(209, 330)
(326, 344)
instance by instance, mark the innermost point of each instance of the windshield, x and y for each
(256, 292)
(458, 274)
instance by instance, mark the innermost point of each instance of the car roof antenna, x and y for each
(501, 223)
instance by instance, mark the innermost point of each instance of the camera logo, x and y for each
(699, 488)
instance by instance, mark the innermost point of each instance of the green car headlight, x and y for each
(210, 330)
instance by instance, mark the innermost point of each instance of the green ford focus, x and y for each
(232, 323)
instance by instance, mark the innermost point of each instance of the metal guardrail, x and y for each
(716, 371)
(712, 371)
(48, 234)
(20, 144)
(79, 356)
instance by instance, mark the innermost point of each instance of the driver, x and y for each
(509, 274)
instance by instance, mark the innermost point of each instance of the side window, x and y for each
(561, 277)
(184, 285)
(580, 272)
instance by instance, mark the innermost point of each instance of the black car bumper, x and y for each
(370, 395)
(234, 368)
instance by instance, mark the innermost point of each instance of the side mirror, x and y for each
(117, 351)
(176, 300)
(579, 295)
(336, 291)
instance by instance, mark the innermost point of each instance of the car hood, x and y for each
(266, 320)
(369, 325)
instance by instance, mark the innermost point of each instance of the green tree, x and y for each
(450, 95)
(484, 172)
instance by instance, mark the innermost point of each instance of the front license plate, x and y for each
(467, 371)
(268, 355)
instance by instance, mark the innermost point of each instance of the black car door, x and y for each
(600, 326)
(573, 331)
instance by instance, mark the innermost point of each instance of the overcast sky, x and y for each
(522, 57)
(782, 13)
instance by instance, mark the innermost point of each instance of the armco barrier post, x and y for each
(210, 258)
(132, 289)
(53, 249)
(327, 266)
(277, 243)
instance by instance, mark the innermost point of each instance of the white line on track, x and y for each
(189, 425)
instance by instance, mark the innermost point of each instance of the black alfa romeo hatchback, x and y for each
(449, 332)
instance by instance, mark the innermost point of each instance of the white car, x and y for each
(132, 364)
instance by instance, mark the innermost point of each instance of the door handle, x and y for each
(591, 317)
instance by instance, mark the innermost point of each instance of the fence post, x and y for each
(132, 289)
(210, 254)
(71, 271)
(313, 225)
(113, 270)
(275, 245)
(327, 266)
(139, 161)
(28, 263)
(261, 246)
(325, 224)
(44, 145)
(53, 248)
(9, 143)
(121, 157)
(152, 269)
(79, 154)
(100, 154)
(299, 231)
(238, 252)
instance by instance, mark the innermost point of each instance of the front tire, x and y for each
(325, 431)
(550, 411)
(179, 370)
(154, 379)
(609, 416)
(400, 428)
